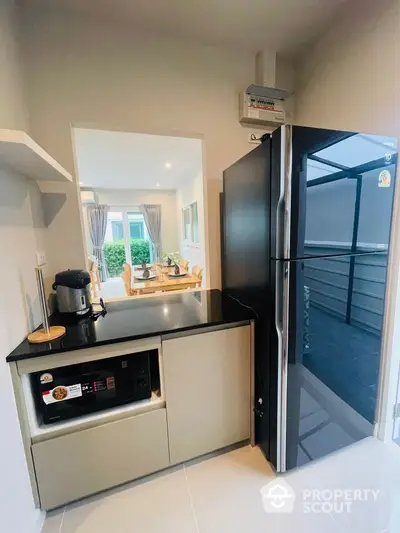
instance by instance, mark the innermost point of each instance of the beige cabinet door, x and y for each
(207, 387)
(85, 462)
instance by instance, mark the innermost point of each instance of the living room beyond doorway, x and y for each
(143, 208)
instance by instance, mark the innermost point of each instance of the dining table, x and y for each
(162, 280)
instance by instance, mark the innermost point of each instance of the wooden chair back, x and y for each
(198, 272)
(94, 275)
(127, 278)
(184, 265)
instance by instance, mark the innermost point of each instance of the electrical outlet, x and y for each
(254, 138)
(40, 258)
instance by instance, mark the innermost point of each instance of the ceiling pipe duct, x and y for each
(262, 104)
(265, 85)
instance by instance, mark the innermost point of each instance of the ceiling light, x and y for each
(168, 164)
(157, 184)
(81, 183)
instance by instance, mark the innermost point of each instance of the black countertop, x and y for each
(139, 318)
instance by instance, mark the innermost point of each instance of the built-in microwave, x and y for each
(71, 391)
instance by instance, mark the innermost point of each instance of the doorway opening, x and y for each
(143, 203)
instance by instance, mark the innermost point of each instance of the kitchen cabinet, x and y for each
(207, 388)
(85, 462)
(202, 401)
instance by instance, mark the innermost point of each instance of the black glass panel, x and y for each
(336, 318)
(342, 192)
(330, 210)
(351, 214)
(376, 199)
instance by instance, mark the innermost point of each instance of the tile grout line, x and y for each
(191, 500)
(62, 520)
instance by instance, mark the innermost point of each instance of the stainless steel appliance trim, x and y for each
(252, 386)
(286, 175)
(279, 326)
(282, 297)
(285, 363)
(280, 208)
(73, 300)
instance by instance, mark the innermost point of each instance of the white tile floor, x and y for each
(222, 494)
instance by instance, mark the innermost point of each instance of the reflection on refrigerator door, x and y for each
(348, 199)
(335, 329)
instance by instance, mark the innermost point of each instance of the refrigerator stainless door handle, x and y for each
(282, 330)
(286, 178)
(284, 364)
(279, 331)
(280, 231)
(280, 208)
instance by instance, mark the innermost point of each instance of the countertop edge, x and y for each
(14, 359)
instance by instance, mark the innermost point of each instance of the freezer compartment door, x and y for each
(245, 214)
(330, 374)
(340, 195)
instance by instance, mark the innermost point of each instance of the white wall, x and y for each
(92, 74)
(191, 192)
(88, 240)
(13, 111)
(134, 198)
(350, 80)
(21, 234)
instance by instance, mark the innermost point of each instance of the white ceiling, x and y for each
(115, 160)
(248, 25)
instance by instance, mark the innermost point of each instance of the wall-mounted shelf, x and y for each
(19, 152)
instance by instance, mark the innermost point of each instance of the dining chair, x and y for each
(127, 279)
(184, 265)
(198, 272)
(94, 274)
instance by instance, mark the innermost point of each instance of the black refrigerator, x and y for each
(305, 226)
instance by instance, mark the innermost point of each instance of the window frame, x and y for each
(191, 241)
(126, 210)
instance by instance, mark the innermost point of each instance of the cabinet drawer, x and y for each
(76, 465)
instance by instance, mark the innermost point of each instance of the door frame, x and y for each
(390, 354)
(166, 132)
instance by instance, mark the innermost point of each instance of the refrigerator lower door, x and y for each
(331, 319)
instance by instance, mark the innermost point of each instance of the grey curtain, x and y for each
(152, 218)
(97, 221)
